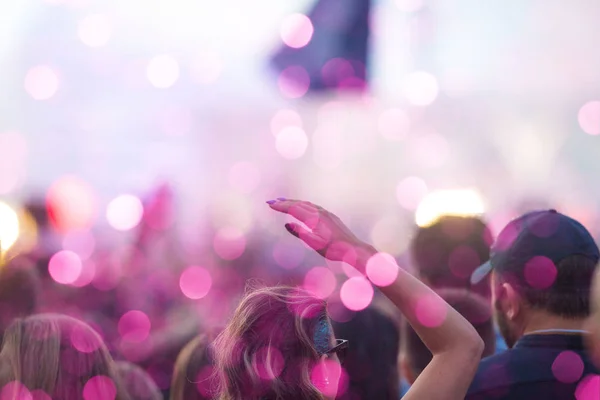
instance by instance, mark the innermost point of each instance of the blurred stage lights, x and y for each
(460, 202)
(296, 30)
(94, 30)
(9, 226)
(291, 143)
(124, 212)
(589, 118)
(420, 88)
(162, 71)
(41, 82)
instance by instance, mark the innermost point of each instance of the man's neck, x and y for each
(548, 322)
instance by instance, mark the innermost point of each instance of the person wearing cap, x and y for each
(541, 267)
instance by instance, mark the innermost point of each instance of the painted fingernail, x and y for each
(270, 201)
(281, 198)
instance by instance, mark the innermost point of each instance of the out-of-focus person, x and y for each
(137, 382)
(475, 309)
(371, 361)
(193, 375)
(542, 265)
(59, 357)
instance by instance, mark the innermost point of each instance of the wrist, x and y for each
(364, 252)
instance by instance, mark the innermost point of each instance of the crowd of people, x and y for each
(511, 317)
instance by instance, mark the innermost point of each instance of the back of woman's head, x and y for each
(193, 377)
(274, 339)
(137, 382)
(60, 356)
(372, 359)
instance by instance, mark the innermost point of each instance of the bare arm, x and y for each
(454, 343)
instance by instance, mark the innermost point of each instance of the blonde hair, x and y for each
(138, 383)
(58, 355)
(267, 350)
(191, 362)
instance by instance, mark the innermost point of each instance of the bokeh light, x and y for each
(394, 124)
(83, 341)
(268, 363)
(540, 272)
(88, 273)
(382, 269)
(134, 326)
(195, 282)
(81, 243)
(589, 117)
(384, 236)
(431, 150)
(41, 82)
(356, 293)
(72, 204)
(285, 118)
(124, 212)
(409, 5)
(287, 254)
(244, 176)
(229, 243)
(410, 192)
(588, 388)
(460, 202)
(9, 226)
(296, 30)
(420, 88)
(162, 71)
(95, 30)
(99, 387)
(206, 68)
(325, 376)
(568, 367)
(431, 311)
(65, 267)
(15, 390)
(294, 82)
(320, 281)
(291, 142)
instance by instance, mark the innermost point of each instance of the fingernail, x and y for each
(281, 198)
(270, 201)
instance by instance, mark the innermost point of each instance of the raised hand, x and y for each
(326, 233)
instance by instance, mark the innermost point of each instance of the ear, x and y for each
(509, 300)
(406, 370)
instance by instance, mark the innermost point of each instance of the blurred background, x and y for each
(136, 130)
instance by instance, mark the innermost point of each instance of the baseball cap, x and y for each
(543, 233)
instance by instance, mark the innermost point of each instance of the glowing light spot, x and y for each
(431, 311)
(288, 255)
(294, 82)
(382, 269)
(589, 118)
(83, 341)
(462, 202)
(410, 192)
(540, 272)
(195, 282)
(384, 236)
(291, 143)
(71, 204)
(588, 388)
(9, 226)
(409, 5)
(394, 124)
(283, 119)
(40, 395)
(336, 71)
(420, 88)
(296, 30)
(244, 176)
(88, 273)
(15, 390)
(134, 326)
(320, 282)
(95, 30)
(431, 150)
(81, 243)
(229, 243)
(162, 71)
(41, 82)
(356, 293)
(325, 376)
(13, 161)
(206, 68)
(268, 363)
(124, 212)
(65, 267)
(567, 367)
(99, 387)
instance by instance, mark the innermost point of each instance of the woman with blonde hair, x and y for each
(57, 357)
(279, 343)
